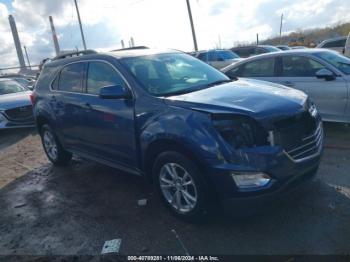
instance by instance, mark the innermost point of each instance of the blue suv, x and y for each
(200, 137)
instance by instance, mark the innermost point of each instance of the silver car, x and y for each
(15, 105)
(323, 74)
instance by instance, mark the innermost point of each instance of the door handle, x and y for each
(289, 84)
(87, 106)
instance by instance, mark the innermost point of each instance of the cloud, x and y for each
(157, 23)
(219, 8)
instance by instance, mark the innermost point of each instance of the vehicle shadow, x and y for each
(73, 210)
(9, 137)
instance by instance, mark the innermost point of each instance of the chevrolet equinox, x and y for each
(200, 137)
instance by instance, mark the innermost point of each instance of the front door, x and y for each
(330, 97)
(109, 130)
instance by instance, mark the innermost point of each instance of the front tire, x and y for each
(53, 148)
(182, 187)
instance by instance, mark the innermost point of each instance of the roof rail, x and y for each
(74, 53)
(131, 48)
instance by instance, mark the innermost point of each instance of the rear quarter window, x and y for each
(71, 78)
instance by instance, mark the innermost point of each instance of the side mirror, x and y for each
(325, 74)
(114, 92)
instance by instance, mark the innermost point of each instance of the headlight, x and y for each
(251, 180)
(240, 132)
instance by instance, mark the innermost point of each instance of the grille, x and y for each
(20, 113)
(300, 136)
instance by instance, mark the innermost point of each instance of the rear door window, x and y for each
(101, 74)
(259, 68)
(71, 78)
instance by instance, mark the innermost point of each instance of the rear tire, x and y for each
(182, 187)
(53, 148)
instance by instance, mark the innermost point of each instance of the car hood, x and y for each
(14, 100)
(258, 99)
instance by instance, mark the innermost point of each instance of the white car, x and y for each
(336, 44)
(347, 47)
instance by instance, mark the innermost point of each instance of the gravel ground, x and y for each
(47, 210)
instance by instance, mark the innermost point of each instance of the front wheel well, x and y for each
(163, 145)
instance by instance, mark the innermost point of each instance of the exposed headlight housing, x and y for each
(240, 131)
(251, 180)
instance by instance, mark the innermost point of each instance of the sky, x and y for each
(157, 23)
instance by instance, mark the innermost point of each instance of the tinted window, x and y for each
(234, 72)
(259, 68)
(337, 43)
(100, 75)
(260, 50)
(71, 78)
(299, 66)
(244, 52)
(226, 55)
(203, 56)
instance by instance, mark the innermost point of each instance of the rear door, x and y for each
(66, 101)
(261, 69)
(299, 72)
(109, 130)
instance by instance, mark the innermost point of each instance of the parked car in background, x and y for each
(247, 51)
(298, 47)
(199, 136)
(323, 74)
(218, 58)
(24, 80)
(336, 44)
(15, 105)
(283, 47)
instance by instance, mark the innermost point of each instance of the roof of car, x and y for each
(139, 52)
(252, 46)
(119, 54)
(273, 54)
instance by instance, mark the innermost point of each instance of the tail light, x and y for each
(32, 98)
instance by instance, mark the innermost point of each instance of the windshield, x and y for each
(169, 74)
(339, 61)
(9, 87)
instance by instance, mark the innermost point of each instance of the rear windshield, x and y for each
(9, 87)
(341, 62)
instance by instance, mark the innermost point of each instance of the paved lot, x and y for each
(74, 210)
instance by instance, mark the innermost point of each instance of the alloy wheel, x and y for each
(178, 187)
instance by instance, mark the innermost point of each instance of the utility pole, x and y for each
(17, 42)
(257, 39)
(25, 51)
(81, 27)
(192, 26)
(281, 28)
(122, 42)
(54, 36)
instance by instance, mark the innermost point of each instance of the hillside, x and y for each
(310, 37)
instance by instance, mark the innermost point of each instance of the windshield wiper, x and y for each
(219, 82)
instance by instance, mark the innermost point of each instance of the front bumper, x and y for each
(5, 123)
(286, 175)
